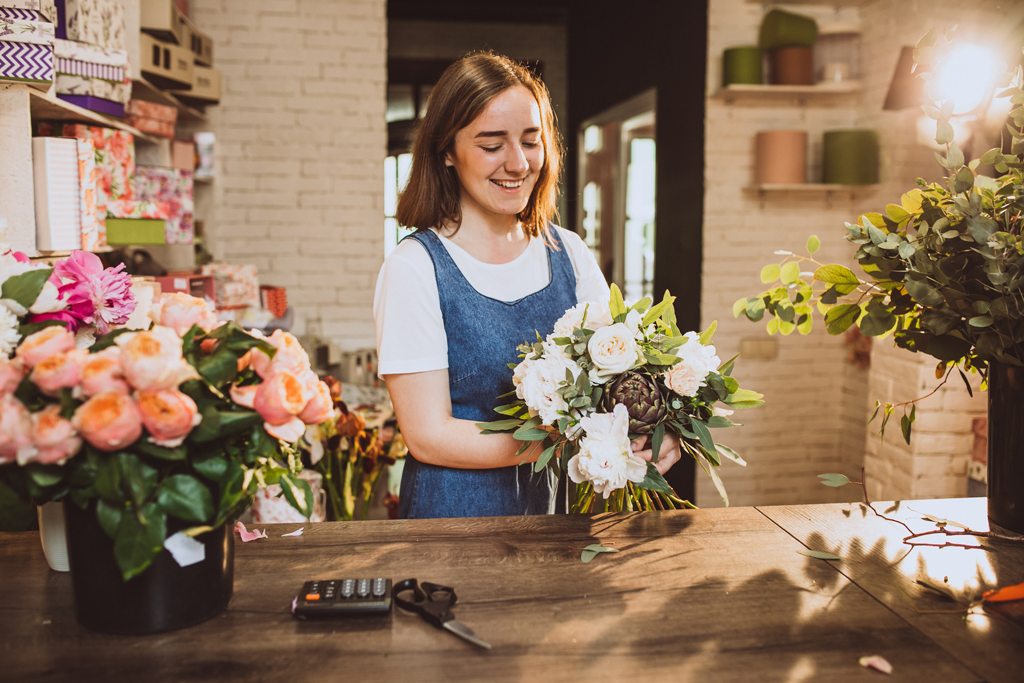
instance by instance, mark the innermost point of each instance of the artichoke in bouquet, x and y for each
(642, 397)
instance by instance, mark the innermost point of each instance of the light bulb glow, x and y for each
(966, 76)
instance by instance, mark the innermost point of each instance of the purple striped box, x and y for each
(27, 63)
(95, 104)
(22, 14)
(74, 67)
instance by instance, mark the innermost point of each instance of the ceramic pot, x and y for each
(1006, 446)
(780, 156)
(792, 66)
(165, 597)
(51, 533)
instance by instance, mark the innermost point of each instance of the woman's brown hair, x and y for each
(431, 197)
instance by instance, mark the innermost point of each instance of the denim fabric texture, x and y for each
(482, 337)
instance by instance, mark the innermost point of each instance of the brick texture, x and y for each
(301, 138)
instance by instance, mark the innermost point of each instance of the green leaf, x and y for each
(730, 454)
(943, 132)
(813, 244)
(299, 494)
(616, 305)
(706, 335)
(739, 308)
(542, 461)
(818, 554)
(657, 310)
(923, 293)
(109, 517)
(770, 273)
(500, 425)
(138, 542)
(790, 273)
(755, 308)
(980, 321)
(44, 475)
(140, 478)
(144, 447)
(656, 439)
(591, 551)
(834, 479)
(108, 481)
(25, 288)
(954, 158)
(211, 465)
(704, 436)
(642, 305)
(836, 274)
(743, 398)
(185, 497)
(220, 367)
(841, 317)
(107, 340)
(32, 328)
(653, 481)
(964, 180)
(991, 156)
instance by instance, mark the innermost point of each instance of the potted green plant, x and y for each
(156, 438)
(942, 273)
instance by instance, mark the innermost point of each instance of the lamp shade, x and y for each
(850, 157)
(742, 64)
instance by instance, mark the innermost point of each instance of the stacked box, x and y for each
(26, 52)
(136, 222)
(152, 118)
(201, 45)
(166, 65)
(173, 189)
(200, 286)
(274, 299)
(30, 10)
(88, 177)
(183, 156)
(237, 285)
(205, 86)
(56, 181)
(162, 19)
(97, 22)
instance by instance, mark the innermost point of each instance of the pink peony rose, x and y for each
(15, 429)
(152, 360)
(280, 398)
(59, 371)
(53, 436)
(47, 342)
(102, 372)
(11, 374)
(320, 408)
(168, 416)
(290, 356)
(290, 431)
(244, 396)
(109, 421)
(180, 312)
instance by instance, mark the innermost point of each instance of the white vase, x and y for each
(51, 533)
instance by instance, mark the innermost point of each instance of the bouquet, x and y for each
(172, 426)
(607, 375)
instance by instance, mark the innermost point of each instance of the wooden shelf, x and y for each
(146, 91)
(50, 108)
(744, 92)
(808, 188)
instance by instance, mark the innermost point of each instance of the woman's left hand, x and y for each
(669, 455)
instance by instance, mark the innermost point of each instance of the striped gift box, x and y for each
(19, 14)
(57, 186)
(26, 63)
(73, 67)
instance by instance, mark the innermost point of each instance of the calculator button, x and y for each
(378, 587)
(363, 589)
(312, 597)
(348, 587)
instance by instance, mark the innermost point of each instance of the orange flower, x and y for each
(168, 416)
(109, 421)
(290, 356)
(152, 361)
(46, 342)
(59, 371)
(320, 408)
(280, 398)
(15, 429)
(102, 372)
(54, 437)
(11, 374)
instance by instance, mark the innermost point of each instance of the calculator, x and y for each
(341, 597)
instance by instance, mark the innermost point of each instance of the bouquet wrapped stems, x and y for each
(630, 498)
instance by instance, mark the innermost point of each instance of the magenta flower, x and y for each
(94, 295)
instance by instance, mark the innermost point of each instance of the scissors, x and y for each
(434, 603)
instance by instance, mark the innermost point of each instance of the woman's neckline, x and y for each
(451, 245)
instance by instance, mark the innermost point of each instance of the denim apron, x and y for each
(483, 334)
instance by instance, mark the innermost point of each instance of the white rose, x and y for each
(605, 458)
(598, 316)
(689, 375)
(48, 300)
(537, 382)
(613, 350)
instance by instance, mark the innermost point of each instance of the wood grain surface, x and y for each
(990, 640)
(710, 595)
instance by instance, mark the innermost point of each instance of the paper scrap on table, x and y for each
(249, 535)
(297, 532)
(877, 663)
(185, 551)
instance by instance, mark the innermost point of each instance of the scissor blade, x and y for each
(463, 631)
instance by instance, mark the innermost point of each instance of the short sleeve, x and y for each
(590, 282)
(407, 313)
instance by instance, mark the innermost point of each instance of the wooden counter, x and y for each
(708, 595)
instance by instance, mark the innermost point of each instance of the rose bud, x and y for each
(47, 342)
(280, 398)
(102, 372)
(109, 421)
(168, 416)
(15, 429)
(11, 374)
(320, 408)
(180, 311)
(290, 356)
(53, 436)
(152, 361)
(59, 371)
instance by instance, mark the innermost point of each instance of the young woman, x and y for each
(484, 271)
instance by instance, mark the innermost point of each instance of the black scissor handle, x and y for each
(432, 601)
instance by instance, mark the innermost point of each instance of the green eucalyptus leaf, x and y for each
(813, 244)
(790, 272)
(833, 479)
(592, 551)
(770, 273)
(818, 554)
(841, 317)
(298, 493)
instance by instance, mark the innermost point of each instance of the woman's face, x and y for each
(500, 154)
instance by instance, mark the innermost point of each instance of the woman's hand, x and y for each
(669, 455)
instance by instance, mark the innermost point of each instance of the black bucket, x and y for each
(164, 597)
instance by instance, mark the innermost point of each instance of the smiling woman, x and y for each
(485, 270)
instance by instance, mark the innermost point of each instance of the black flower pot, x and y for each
(164, 597)
(1006, 446)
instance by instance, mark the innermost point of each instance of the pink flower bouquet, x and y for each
(184, 420)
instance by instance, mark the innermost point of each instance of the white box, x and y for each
(58, 208)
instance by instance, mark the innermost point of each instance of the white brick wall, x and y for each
(818, 403)
(301, 139)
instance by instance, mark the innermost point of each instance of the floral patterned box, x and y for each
(88, 176)
(237, 285)
(97, 22)
(22, 31)
(173, 189)
(33, 10)
(136, 222)
(94, 87)
(152, 110)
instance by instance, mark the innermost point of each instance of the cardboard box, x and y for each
(183, 155)
(97, 104)
(200, 286)
(24, 31)
(173, 189)
(237, 285)
(97, 22)
(205, 86)
(163, 20)
(55, 175)
(166, 65)
(201, 45)
(27, 63)
(152, 110)
(136, 222)
(88, 61)
(118, 93)
(32, 10)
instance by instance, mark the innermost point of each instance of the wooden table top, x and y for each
(706, 595)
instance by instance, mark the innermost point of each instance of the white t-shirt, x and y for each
(407, 308)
